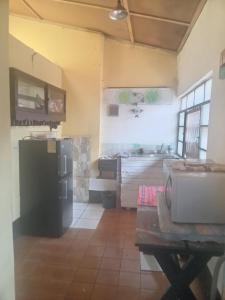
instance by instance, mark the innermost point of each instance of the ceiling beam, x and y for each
(194, 19)
(129, 24)
(106, 8)
(83, 4)
(31, 9)
(150, 17)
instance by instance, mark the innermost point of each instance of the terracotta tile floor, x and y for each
(86, 264)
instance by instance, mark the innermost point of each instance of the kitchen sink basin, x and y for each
(157, 155)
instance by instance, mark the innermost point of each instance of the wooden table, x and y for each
(166, 252)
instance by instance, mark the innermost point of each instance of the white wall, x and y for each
(27, 60)
(127, 65)
(200, 55)
(156, 125)
(6, 243)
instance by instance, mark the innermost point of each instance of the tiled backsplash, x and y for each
(113, 148)
(81, 168)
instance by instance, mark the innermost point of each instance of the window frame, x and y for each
(186, 111)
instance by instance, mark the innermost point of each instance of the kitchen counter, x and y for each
(140, 169)
(155, 156)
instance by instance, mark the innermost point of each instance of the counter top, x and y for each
(154, 156)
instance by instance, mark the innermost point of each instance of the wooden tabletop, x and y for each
(149, 237)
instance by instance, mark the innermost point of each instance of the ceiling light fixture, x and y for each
(119, 13)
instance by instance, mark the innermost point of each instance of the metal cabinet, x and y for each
(136, 171)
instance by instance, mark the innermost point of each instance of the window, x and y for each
(193, 121)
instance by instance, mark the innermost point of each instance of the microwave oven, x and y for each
(195, 197)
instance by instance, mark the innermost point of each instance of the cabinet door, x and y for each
(56, 103)
(27, 97)
(129, 198)
(30, 95)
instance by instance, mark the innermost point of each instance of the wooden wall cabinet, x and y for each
(35, 102)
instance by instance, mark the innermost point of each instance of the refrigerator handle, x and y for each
(66, 189)
(65, 164)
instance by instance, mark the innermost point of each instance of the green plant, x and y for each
(151, 96)
(125, 97)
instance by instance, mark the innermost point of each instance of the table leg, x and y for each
(186, 275)
(172, 269)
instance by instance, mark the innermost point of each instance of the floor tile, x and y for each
(149, 263)
(98, 240)
(79, 291)
(108, 277)
(25, 268)
(85, 275)
(131, 254)
(74, 223)
(153, 280)
(95, 251)
(41, 288)
(78, 213)
(47, 296)
(85, 234)
(92, 215)
(110, 264)
(113, 252)
(79, 205)
(104, 292)
(130, 265)
(86, 223)
(129, 279)
(115, 242)
(129, 243)
(79, 244)
(74, 257)
(97, 207)
(125, 293)
(54, 272)
(70, 234)
(48, 256)
(91, 262)
(150, 294)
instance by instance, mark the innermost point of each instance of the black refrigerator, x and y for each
(46, 186)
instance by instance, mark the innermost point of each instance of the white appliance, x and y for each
(195, 197)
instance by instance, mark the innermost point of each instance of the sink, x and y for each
(163, 156)
(156, 155)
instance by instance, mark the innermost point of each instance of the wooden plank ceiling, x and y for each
(163, 24)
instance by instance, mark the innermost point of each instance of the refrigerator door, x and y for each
(65, 156)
